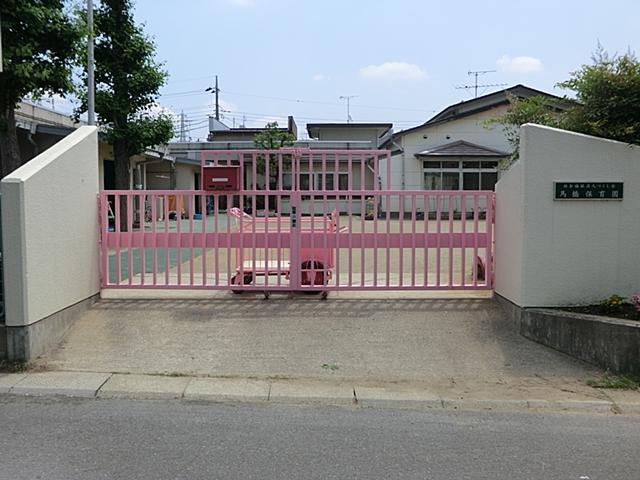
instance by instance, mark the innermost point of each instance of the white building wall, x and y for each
(472, 129)
(50, 230)
(569, 252)
(406, 169)
(185, 179)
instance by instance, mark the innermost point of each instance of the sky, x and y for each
(400, 61)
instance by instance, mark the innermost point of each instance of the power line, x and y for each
(293, 100)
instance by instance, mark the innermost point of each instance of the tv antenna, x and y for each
(475, 86)
(348, 99)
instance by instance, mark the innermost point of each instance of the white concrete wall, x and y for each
(50, 230)
(567, 252)
(509, 231)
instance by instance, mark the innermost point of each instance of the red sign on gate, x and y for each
(221, 178)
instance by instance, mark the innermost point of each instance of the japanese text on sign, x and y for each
(588, 190)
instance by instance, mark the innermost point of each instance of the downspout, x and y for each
(172, 176)
(138, 177)
(32, 131)
(402, 174)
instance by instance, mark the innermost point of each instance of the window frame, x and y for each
(461, 170)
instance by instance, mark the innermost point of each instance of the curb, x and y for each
(289, 392)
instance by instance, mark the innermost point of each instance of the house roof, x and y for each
(244, 132)
(461, 148)
(480, 104)
(382, 128)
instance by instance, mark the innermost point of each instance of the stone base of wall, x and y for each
(3, 341)
(610, 343)
(26, 343)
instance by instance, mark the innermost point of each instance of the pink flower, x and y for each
(635, 300)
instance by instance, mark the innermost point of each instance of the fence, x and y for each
(317, 223)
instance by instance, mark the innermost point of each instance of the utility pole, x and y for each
(348, 99)
(475, 86)
(215, 90)
(91, 98)
(217, 103)
(0, 45)
(183, 137)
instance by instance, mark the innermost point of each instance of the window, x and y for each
(315, 181)
(328, 182)
(455, 175)
(432, 181)
(286, 181)
(471, 181)
(450, 181)
(304, 181)
(489, 180)
(343, 181)
(490, 164)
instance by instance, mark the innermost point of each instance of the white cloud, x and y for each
(157, 109)
(519, 64)
(319, 77)
(393, 71)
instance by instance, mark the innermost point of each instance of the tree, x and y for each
(606, 104)
(128, 80)
(273, 138)
(39, 43)
(608, 95)
(538, 109)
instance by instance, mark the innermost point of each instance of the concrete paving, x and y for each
(436, 341)
(413, 351)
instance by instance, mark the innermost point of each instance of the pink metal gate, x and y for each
(297, 220)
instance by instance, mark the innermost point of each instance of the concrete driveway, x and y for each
(421, 341)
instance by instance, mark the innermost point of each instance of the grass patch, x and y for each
(7, 366)
(628, 381)
(330, 366)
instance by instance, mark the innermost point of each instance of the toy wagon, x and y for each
(316, 264)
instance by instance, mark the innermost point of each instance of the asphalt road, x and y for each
(71, 439)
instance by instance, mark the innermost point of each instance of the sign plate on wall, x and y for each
(588, 190)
